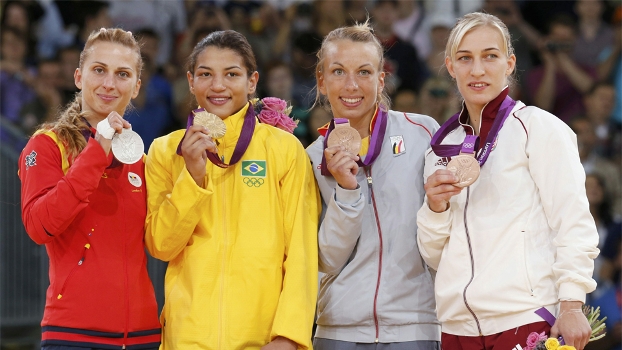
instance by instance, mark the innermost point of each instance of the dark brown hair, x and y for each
(225, 39)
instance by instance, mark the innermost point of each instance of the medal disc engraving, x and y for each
(346, 136)
(212, 122)
(466, 168)
(128, 147)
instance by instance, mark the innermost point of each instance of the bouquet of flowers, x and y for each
(274, 111)
(539, 341)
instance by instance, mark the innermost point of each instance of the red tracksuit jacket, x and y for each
(90, 215)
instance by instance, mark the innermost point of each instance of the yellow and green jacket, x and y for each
(242, 251)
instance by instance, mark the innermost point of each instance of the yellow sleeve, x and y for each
(296, 308)
(173, 200)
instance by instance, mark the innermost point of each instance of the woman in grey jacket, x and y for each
(376, 289)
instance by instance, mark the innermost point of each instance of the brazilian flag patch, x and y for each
(254, 168)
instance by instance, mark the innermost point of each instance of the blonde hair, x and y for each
(474, 20)
(70, 123)
(360, 33)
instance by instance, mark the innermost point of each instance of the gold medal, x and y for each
(215, 126)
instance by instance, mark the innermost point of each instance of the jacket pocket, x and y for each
(528, 283)
(73, 271)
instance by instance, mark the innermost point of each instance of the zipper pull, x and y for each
(369, 183)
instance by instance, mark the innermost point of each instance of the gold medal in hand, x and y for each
(214, 125)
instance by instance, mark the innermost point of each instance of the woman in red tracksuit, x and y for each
(89, 209)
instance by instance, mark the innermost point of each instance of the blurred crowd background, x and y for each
(568, 63)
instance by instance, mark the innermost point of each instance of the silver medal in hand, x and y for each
(128, 147)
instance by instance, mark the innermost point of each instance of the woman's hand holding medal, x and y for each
(197, 141)
(113, 124)
(439, 189)
(342, 165)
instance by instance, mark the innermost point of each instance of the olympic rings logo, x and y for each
(468, 145)
(253, 182)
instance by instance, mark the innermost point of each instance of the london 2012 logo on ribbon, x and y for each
(254, 168)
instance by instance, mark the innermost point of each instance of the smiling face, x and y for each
(221, 83)
(108, 79)
(351, 79)
(480, 67)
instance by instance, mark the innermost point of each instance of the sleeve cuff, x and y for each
(571, 291)
(348, 197)
(434, 217)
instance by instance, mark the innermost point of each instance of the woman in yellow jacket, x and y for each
(235, 213)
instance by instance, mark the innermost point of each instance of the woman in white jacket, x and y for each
(518, 239)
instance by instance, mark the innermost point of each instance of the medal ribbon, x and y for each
(243, 141)
(454, 122)
(375, 141)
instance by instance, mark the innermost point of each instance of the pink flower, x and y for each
(270, 117)
(287, 124)
(533, 339)
(274, 104)
(274, 111)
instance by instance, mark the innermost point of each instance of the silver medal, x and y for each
(128, 147)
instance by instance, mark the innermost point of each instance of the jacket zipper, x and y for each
(466, 228)
(224, 257)
(73, 270)
(373, 201)
(127, 295)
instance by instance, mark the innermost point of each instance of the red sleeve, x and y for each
(50, 199)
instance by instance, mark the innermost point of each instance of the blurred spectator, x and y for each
(22, 16)
(268, 32)
(356, 11)
(45, 107)
(405, 101)
(558, 84)
(94, 15)
(456, 8)
(595, 164)
(599, 103)
(166, 17)
(69, 58)
(412, 26)
(600, 208)
(540, 13)
(594, 35)
(319, 117)
(328, 15)
(15, 76)
(152, 112)
(402, 64)
(608, 295)
(440, 26)
(610, 64)
(279, 81)
(525, 38)
(204, 18)
(438, 99)
(51, 31)
(304, 48)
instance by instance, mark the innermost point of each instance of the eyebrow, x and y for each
(105, 65)
(361, 66)
(226, 68)
(487, 49)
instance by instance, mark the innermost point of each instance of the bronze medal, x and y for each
(215, 126)
(466, 168)
(347, 136)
